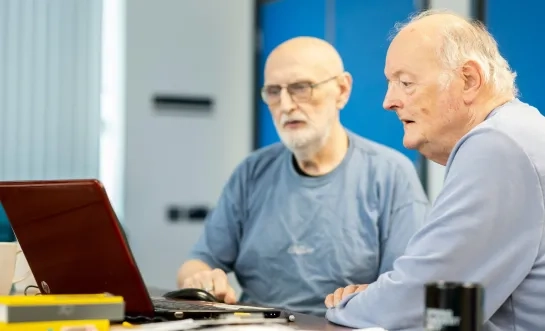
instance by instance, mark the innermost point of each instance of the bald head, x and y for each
(307, 55)
(455, 41)
(431, 21)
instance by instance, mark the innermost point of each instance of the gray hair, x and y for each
(470, 41)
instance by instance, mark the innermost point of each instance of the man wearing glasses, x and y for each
(321, 210)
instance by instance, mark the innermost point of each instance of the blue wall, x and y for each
(361, 33)
(282, 20)
(516, 27)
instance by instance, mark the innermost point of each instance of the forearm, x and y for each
(190, 268)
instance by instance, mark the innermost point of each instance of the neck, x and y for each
(478, 113)
(323, 159)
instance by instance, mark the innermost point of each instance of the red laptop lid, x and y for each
(72, 240)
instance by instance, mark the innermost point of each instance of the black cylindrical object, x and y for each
(452, 306)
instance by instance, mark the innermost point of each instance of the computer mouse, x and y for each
(193, 294)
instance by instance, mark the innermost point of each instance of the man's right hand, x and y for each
(336, 297)
(213, 281)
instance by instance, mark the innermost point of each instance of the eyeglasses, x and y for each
(298, 91)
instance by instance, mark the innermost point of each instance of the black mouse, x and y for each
(193, 294)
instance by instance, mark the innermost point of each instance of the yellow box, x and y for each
(81, 325)
(42, 308)
(50, 299)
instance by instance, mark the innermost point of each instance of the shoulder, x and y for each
(491, 160)
(486, 146)
(382, 156)
(259, 162)
(515, 129)
(490, 178)
(389, 168)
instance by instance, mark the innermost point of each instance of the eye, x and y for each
(299, 87)
(273, 90)
(406, 84)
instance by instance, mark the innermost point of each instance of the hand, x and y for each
(335, 298)
(213, 281)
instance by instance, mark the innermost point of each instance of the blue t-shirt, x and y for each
(486, 226)
(293, 239)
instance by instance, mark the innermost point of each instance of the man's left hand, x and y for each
(334, 298)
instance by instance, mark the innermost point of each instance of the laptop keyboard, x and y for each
(177, 305)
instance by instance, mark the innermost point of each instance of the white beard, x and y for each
(304, 142)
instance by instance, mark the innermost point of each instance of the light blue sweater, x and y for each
(486, 226)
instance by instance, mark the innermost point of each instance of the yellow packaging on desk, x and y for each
(41, 308)
(84, 325)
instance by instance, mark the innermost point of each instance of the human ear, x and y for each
(345, 87)
(472, 75)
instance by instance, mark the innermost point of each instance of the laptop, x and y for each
(74, 244)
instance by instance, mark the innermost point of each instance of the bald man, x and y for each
(322, 209)
(456, 97)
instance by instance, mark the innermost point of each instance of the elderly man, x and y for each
(324, 208)
(456, 97)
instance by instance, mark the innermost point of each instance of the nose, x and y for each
(286, 101)
(391, 101)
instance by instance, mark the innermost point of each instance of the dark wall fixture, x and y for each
(478, 10)
(187, 214)
(422, 162)
(258, 49)
(425, 4)
(184, 103)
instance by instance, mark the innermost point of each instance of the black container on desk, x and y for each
(452, 306)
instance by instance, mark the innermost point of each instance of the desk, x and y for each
(309, 322)
(302, 321)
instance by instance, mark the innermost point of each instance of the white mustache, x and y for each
(285, 119)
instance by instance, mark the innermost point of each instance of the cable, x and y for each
(32, 286)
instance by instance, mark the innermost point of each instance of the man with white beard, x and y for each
(321, 210)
